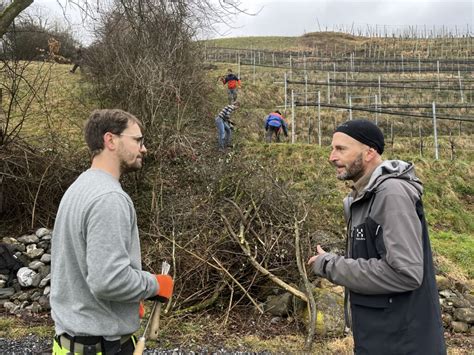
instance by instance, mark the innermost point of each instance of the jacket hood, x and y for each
(394, 169)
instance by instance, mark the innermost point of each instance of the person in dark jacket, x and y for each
(77, 60)
(232, 82)
(274, 124)
(388, 269)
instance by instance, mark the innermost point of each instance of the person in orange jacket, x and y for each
(233, 83)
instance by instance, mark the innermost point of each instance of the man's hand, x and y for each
(165, 291)
(319, 252)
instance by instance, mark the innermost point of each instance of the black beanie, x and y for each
(365, 132)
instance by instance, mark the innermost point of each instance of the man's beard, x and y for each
(353, 171)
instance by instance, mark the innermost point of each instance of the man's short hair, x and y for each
(106, 120)
(229, 70)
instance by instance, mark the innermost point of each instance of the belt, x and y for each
(79, 343)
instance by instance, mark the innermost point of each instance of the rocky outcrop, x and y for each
(456, 300)
(28, 290)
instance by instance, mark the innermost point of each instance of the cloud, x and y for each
(296, 17)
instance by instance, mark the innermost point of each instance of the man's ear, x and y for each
(110, 142)
(371, 154)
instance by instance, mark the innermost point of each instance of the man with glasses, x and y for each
(97, 282)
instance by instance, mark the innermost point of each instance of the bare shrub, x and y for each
(145, 61)
(35, 168)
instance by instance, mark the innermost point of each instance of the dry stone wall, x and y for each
(28, 290)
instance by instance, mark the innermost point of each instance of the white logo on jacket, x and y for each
(359, 234)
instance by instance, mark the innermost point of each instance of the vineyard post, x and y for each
(435, 132)
(293, 128)
(319, 119)
(350, 107)
(329, 89)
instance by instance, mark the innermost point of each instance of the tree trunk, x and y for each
(11, 12)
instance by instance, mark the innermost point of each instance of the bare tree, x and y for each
(11, 12)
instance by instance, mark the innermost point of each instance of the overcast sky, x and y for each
(294, 18)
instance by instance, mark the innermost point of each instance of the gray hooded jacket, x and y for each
(393, 210)
(388, 270)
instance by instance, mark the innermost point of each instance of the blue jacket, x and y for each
(276, 120)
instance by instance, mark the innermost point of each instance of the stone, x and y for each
(23, 296)
(28, 239)
(47, 290)
(460, 302)
(447, 319)
(47, 238)
(330, 313)
(11, 241)
(4, 277)
(470, 298)
(279, 305)
(464, 315)
(41, 232)
(36, 280)
(44, 271)
(461, 287)
(44, 302)
(32, 252)
(339, 290)
(9, 306)
(470, 285)
(275, 320)
(46, 258)
(326, 283)
(25, 276)
(43, 245)
(459, 327)
(35, 296)
(45, 281)
(442, 283)
(2, 283)
(447, 294)
(7, 292)
(35, 265)
(35, 307)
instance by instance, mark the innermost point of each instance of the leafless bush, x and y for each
(145, 61)
(34, 169)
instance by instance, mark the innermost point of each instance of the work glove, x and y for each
(141, 310)
(165, 288)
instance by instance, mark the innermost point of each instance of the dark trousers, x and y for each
(272, 131)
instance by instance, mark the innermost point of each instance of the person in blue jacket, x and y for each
(274, 124)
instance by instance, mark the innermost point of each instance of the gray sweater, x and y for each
(96, 275)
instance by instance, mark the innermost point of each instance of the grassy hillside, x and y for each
(194, 178)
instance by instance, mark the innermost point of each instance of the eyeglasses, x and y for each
(139, 139)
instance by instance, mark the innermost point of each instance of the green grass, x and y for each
(459, 248)
(262, 42)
